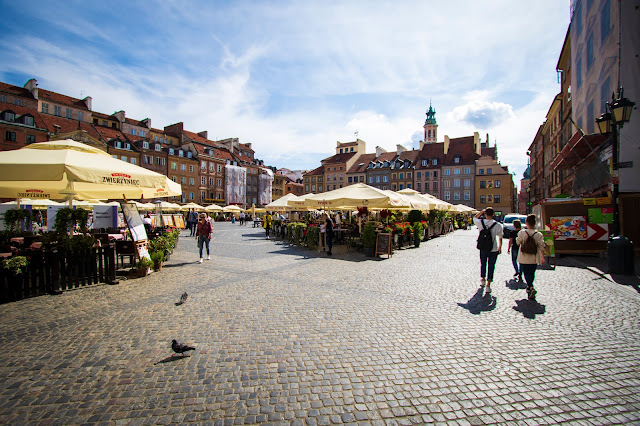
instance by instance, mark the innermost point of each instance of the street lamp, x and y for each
(618, 112)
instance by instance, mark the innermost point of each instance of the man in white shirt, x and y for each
(488, 253)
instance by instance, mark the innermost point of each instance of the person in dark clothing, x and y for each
(329, 233)
(514, 249)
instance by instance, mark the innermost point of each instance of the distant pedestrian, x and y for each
(329, 233)
(531, 255)
(192, 221)
(242, 218)
(204, 232)
(489, 243)
(268, 223)
(514, 249)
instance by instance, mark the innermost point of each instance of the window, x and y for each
(456, 196)
(435, 161)
(68, 113)
(127, 146)
(605, 21)
(447, 195)
(174, 178)
(370, 179)
(377, 179)
(133, 132)
(483, 184)
(579, 73)
(80, 116)
(424, 163)
(31, 138)
(171, 151)
(192, 181)
(456, 171)
(133, 160)
(496, 199)
(393, 187)
(10, 136)
(203, 181)
(401, 175)
(155, 138)
(435, 186)
(203, 165)
(467, 183)
(157, 147)
(467, 170)
(180, 153)
(174, 166)
(218, 182)
(349, 179)
(467, 195)
(489, 170)
(45, 108)
(3, 98)
(456, 159)
(447, 172)
(394, 176)
(148, 159)
(191, 168)
(218, 168)
(481, 171)
(456, 183)
(426, 175)
(419, 175)
(210, 181)
(9, 116)
(104, 123)
(115, 156)
(590, 57)
(211, 167)
(145, 145)
(191, 195)
(203, 195)
(57, 110)
(496, 183)
(141, 133)
(183, 180)
(385, 178)
(189, 154)
(426, 186)
(483, 199)
(361, 179)
(577, 18)
(401, 186)
(17, 101)
(123, 158)
(447, 184)
(435, 174)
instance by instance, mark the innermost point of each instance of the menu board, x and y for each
(134, 221)
(167, 220)
(601, 215)
(383, 244)
(178, 219)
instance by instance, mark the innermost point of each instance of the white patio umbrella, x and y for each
(61, 170)
(190, 206)
(298, 203)
(232, 209)
(282, 203)
(167, 206)
(213, 208)
(35, 203)
(434, 202)
(357, 195)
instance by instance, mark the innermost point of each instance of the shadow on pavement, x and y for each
(480, 302)
(171, 359)
(173, 265)
(529, 308)
(514, 284)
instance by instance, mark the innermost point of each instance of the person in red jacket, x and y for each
(204, 232)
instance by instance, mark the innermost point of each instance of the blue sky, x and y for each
(294, 77)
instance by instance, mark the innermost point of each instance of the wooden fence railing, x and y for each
(54, 271)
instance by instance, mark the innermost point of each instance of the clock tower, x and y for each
(430, 126)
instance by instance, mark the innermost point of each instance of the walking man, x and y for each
(531, 255)
(489, 244)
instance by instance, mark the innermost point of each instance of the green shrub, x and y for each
(313, 237)
(368, 236)
(13, 218)
(16, 264)
(414, 216)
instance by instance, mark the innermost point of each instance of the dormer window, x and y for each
(171, 151)
(425, 163)
(133, 132)
(189, 154)
(155, 138)
(28, 120)
(180, 153)
(157, 147)
(145, 145)
(127, 145)
(117, 144)
(435, 161)
(456, 159)
(406, 163)
(9, 116)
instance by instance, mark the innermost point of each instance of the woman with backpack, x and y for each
(531, 253)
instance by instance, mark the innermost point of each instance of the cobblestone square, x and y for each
(285, 335)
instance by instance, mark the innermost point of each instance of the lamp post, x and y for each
(618, 112)
(619, 249)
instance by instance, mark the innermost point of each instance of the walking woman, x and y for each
(204, 232)
(531, 253)
(514, 249)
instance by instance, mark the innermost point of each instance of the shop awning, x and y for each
(578, 149)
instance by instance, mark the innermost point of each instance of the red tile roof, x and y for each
(315, 172)
(134, 122)
(463, 147)
(20, 110)
(108, 133)
(219, 153)
(429, 152)
(491, 152)
(15, 90)
(96, 114)
(338, 158)
(361, 163)
(47, 95)
(197, 138)
(67, 126)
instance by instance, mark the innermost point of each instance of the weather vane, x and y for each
(356, 133)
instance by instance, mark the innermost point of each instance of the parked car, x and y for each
(507, 224)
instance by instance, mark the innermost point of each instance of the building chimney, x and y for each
(32, 86)
(400, 149)
(476, 143)
(88, 101)
(421, 145)
(120, 115)
(446, 144)
(204, 134)
(147, 123)
(380, 151)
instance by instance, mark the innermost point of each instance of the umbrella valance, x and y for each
(68, 169)
(282, 203)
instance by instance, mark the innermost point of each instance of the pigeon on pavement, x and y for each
(180, 348)
(183, 299)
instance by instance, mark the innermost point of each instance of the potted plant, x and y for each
(369, 240)
(417, 233)
(143, 266)
(16, 264)
(14, 218)
(157, 257)
(313, 236)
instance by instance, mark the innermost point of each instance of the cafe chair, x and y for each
(125, 248)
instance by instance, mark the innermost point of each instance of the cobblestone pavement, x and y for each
(285, 335)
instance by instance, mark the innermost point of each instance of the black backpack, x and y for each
(529, 245)
(485, 240)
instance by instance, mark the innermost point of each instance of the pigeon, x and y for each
(180, 348)
(183, 299)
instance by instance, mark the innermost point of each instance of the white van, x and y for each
(507, 224)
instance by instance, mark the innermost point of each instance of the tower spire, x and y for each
(430, 125)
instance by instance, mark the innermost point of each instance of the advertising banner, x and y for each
(569, 227)
(134, 221)
(105, 217)
(236, 178)
(265, 183)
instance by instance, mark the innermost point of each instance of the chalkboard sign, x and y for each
(383, 244)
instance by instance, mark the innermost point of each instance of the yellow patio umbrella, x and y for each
(434, 202)
(461, 208)
(357, 195)
(282, 203)
(298, 203)
(166, 206)
(213, 208)
(192, 206)
(232, 209)
(41, 203)
(67, 169)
